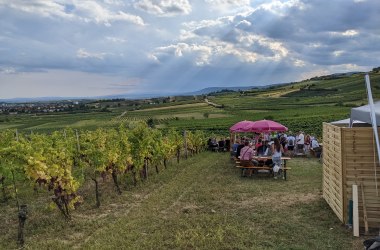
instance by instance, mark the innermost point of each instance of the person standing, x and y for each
(307, 143)
(277, 151)
(290, 141)
(300, 142)
(283, 139)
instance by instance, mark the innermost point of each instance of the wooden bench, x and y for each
(300, 154)
(243, 168)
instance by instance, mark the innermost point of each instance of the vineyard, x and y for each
(200, 202)
(61, 162)
(59, 171)
(300, 106)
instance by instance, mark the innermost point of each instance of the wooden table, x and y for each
(263, 158)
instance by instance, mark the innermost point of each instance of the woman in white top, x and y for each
(277, 151)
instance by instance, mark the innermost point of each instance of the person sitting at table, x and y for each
(269, 152)
(213, 144)
(234, 147)
(259, 147)
(314, 143)
(238, 150)
(246, 155)
(227, 144)
(277, 151)
(315, 148)
(221, 144)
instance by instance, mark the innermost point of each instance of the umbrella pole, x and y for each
(231, 142)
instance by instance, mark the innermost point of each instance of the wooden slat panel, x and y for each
(332, 169)
(359, 155)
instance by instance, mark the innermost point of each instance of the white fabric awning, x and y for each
(363, 113)
(346, 122)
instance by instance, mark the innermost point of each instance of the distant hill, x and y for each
(57, 98)
(336, 75)
(204, 91)
(209, 90)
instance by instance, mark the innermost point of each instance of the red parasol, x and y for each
(242, 126)
(266, 126)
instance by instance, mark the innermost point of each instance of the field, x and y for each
(299, 106)
(201, 203)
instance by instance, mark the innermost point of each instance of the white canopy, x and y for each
(346, 122)
(363, 114)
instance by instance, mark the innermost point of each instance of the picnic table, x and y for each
(284, 168)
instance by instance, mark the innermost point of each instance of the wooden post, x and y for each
(185, 143)
(22, 216)
(77, 135)
(364, 210)
(356, 210)
(16, 134)
(15, 190)
(146, 168)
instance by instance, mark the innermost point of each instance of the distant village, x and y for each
(82, 105)
(39, 107)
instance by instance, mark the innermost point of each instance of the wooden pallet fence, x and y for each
(349, 157)
(332, 169)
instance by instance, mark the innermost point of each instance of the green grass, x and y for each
(202, 203)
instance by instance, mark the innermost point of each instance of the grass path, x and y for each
(202, 203)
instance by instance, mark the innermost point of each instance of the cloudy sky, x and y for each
(90, 48)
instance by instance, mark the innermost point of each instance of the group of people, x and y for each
(248, 149)
(301, 143)
(291, 144)
(223, 144)
(275, 145)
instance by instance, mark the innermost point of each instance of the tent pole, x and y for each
(374, 124)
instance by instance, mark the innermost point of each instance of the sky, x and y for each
(80, 48)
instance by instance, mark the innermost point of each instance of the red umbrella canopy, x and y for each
(243, 126)
(266, 126)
